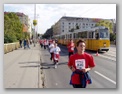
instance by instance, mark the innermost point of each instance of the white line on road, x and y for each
(105, 77)
(107, 57)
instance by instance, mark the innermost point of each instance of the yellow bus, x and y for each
(97, 38)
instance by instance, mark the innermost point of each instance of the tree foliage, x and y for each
(112, 37)
(12, 28)
(107, 24)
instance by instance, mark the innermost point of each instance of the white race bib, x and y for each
(80, 64)
(72, 48)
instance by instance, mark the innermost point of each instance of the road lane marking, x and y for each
(105, 77)
(107, 57)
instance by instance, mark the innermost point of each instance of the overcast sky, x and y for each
(49, 14)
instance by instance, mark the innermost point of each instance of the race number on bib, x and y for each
(72, 48)
(80, 64)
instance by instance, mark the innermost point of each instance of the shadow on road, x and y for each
(26, 64)
(37, 62)
(63, 63)
(49, 66)
(46, 65)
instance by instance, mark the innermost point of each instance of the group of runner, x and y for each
(79, 63)
(53, 48)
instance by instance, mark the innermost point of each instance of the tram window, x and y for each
(97, 35)
(90, 34)
(70, 35)
(104, 33)
(62, 37)
(85, 34)
(101, 35)
(74, 35)
(79, 34)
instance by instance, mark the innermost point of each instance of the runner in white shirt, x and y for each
(47, 43)
(51, 50)
(56, 51)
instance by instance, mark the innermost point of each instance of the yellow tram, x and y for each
(97, 38)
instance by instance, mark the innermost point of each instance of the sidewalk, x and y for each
(22, 68)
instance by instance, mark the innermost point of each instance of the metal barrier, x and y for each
(10, 47)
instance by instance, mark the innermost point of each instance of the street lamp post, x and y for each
(34, 23)
(37, 16)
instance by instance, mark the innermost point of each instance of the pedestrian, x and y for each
(51, 46)
(20, 42)
(80, 64)
(25, 43)
(115, 41)
(71, 47)
(28, 43)
(56, 41)
(41, 42)
(56, 56)
(45, 43)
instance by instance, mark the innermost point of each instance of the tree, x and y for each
(26, 35)
(108, 24)
(12, 28)
(72, 30)
(112, 37)
(77, 27)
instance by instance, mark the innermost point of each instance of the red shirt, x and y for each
(40, 41)
(70, 47)
(45, 42)
(50, 41)
(78, 62)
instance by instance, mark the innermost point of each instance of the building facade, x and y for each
(66, 25)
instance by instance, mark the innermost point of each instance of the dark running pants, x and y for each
(70, 53)
(78, 86)
(51, 56)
